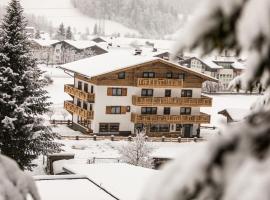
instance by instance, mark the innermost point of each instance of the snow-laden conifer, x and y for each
(23, 100)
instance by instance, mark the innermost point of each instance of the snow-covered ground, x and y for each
(58, 11)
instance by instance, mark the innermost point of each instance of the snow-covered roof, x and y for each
(105, 63)
(45, 43)
(209, 62)
(236, 114)
(238, 65)
(113, 61)
(122, 180)
(69, 188)
(81, 44)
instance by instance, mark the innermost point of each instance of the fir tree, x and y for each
(61, 33)
(23, 135)
(69, 34)
(37, 35)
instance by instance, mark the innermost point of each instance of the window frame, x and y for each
(185, 111)
(149, 110)
(147, 94)
(122, 75)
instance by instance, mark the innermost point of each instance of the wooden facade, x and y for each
(172, 101)
(74, 109)
(174, 119)
(75, 92)
(134, 77)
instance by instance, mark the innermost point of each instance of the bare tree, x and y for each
(51, 112)
(64, 114)
(137, 152)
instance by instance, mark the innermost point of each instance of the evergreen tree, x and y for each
(69, 35)
(37, 35)
(23, 135)
(61, 33)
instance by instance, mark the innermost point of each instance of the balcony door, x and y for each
(187, 130)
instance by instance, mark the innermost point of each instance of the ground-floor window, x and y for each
(109, 127)
(160, 128)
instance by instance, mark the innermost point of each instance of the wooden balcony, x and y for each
(85, 114)
(172, 101)
(172, 119)
(85, 96)
(159, 83)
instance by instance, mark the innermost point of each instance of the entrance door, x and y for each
(187, 130)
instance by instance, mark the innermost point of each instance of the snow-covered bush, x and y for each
(234, 166)
(48, 79)
(14, 183)
(137, 152)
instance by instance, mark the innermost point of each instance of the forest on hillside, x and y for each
(150, 17)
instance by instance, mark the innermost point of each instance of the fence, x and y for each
(55, 122)
(129, 138)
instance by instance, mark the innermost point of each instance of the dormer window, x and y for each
(169, 75)
(122, 75)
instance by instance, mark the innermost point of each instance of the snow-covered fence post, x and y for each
(179, 139)
(129, 138)
(146, 138)
(112, 137)
(163, 138)
(95, 137)
(77, 137)
(195, 139)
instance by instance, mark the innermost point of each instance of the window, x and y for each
(117, 91)
(147, 92)
(148, 74)
(128, 108)
(186, 93)
(168, 93)
(149, 110)
(108, 127)
(167, 110)
(185, 111)
(79, 85)
(181, 76)
(92, 89)
(116, 110)
(85, 87)
(160, 128)
(169, 75)
(178, 127)
(85, 105)
(122, 75)
(79, 103)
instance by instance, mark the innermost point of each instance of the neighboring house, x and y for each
(120, 94)
(205, 66)
(225, 69)
(68, 50)
(234, 114)
(30, 31)
(43, 50)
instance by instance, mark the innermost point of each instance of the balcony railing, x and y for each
(85, 114)
(71, 90)
(172, 119)
(159, 83)
(172, 101)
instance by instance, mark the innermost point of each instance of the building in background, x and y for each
(120, 94)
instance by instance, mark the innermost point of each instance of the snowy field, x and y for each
(58, 11)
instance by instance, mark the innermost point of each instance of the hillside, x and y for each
(58, 11)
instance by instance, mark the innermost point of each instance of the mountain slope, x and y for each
(58, 11)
